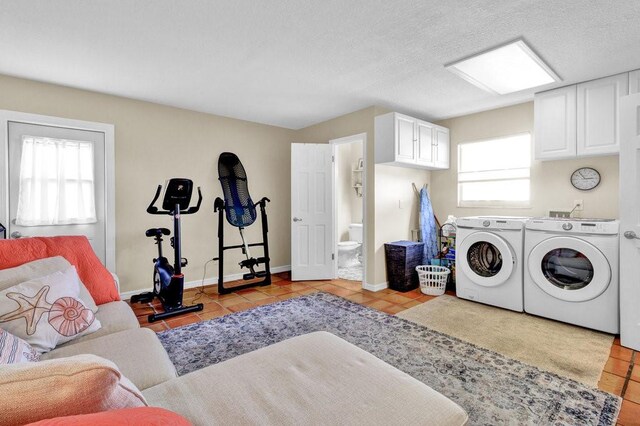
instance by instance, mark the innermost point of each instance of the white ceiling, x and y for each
(293, 63)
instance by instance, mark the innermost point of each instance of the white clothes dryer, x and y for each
(489, 260)
(571, 271)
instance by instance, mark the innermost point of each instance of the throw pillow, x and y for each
(80, 384)
(76, 249)
(47, 311)
(142, 416)
(40, 268)
(14, 350)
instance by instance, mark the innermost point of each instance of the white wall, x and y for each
(550, 185)
(349, 205)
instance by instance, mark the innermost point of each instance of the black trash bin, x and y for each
(402, 258)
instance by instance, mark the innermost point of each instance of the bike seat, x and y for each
(156, 232)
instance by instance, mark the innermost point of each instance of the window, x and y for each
(495, 172)
(56, 182)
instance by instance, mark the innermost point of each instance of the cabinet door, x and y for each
(405, 139)
(634, 82)
(441, 147)
(598, 114)
(424, 132)
(555, 123)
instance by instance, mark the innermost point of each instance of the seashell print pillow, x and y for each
(47, 311)
(14, 350)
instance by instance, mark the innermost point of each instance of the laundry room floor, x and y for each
(620, 376)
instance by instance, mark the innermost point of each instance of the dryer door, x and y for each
(569, 269)
(487, 259)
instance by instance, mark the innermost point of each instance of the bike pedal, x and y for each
(261, 274)
(248, 276)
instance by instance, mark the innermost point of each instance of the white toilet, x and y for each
(350, 252)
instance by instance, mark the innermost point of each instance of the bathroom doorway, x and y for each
(348, 185)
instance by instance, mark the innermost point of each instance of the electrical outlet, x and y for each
(578, 204)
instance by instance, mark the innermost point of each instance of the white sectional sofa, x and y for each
(316, 378)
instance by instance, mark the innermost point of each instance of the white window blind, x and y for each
(495, 172)
(56, 182)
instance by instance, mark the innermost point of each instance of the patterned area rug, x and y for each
(492, 388)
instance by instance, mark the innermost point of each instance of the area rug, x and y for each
(563, 349)
(492, 388)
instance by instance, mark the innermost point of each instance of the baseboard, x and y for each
(207, 281)
(375, 287)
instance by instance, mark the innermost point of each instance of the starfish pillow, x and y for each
(47, 311)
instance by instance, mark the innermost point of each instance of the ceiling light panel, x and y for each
(506, 69)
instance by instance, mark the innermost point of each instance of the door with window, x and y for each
(57, 184)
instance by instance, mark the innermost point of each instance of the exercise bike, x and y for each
(168, 280)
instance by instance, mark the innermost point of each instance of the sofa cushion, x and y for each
(150, 416)
(14, 350)
(76, 249)
(114, 317)
(40, 268)
(46, 311)
(138, 354)
(316, 378)
(78, 385)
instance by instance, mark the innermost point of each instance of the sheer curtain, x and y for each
(56, 182)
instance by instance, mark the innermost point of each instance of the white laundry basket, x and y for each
(433, 279)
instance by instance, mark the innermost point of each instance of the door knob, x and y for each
(297, 219)
(630, 235)
(16, 234)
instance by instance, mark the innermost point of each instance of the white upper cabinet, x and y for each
(555, 123)
(406, 141)
(581, 120)
(598, 115)
(424, 133)
(405, 137)
(442, 143)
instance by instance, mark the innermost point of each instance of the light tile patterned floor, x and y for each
(621, 374)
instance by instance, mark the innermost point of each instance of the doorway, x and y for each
(349, 194)
(57, 178)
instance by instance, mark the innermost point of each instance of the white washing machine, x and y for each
(571, 271)
(489, 266)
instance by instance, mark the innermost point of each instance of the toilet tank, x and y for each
(355, 232)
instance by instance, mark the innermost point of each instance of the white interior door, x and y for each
(66, 170)
(311, 212)
(630, 221)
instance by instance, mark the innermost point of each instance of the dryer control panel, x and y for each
(575, 226)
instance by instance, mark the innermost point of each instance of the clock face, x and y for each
(585, 178)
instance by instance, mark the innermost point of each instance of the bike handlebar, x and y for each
(152, 209)
(195, 208)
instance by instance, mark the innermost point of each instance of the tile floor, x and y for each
(621, 374)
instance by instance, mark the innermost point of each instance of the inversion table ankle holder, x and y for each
(240, 212)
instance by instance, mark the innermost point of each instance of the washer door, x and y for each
(488, 260)
(569, 269)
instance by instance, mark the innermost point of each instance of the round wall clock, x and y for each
(585, 178)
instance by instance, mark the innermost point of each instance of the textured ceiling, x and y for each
(293, 63)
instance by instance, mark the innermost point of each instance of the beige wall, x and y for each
(347, 125)
(396, 209)
(153, 143)
(385, 187)
(550, 185)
